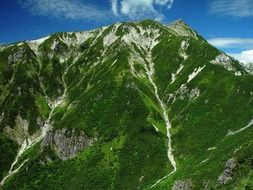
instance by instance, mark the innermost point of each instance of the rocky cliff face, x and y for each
(66, 143)
(182, 185)
(228, 172)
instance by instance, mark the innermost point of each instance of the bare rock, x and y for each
(17, 57)
(228, 172)
(67, 143)
(20, 132)
(60, 48)
(183, 185)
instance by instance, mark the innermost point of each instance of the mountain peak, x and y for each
(182, 29)
(179, 21)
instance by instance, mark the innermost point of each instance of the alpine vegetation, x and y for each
(134, 105)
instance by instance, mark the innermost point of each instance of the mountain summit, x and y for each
(134, 105)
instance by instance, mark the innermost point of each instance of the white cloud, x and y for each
(237, 44)
(165, 2)
(232, 42)
(68, 9)
(245, 56)
(114, 4)
(235, 8)
(79, 9)
(139, 9)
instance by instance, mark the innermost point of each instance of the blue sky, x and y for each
(227, 24)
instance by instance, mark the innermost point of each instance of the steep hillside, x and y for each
(129, 106)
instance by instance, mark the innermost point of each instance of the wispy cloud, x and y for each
(245, 56)
(235, 8)
(68, 9)
(232, 42)
(242, 46)
(139, 9)
(79, 9)
(114, 4)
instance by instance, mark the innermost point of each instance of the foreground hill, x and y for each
(129, 106)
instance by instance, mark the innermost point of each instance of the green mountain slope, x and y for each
(129, 106)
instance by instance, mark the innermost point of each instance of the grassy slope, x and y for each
(105, 102)
(225, 103)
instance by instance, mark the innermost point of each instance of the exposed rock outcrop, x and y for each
(59, 48)
(228, 172)
(21, 132)
(17, 57)
(67, 143)
(183, 185)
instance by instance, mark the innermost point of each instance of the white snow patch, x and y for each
(161, 179)
(54, 44)
(95, 64)
(211, 148)
(150, 72)
(182, 52)
(146, 40)
(34, 44)
(157, 130)
(204, 161)
(141, 178)
(195, 73)
(27, 144)
(30, 142)
(114, 62)
(2, 47)
(174, 75)
(11, 171)
(39, 41)
(237, 149)
(238, 73)
(230, 133)
(20, 44)
(184, 44)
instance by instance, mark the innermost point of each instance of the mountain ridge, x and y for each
(179, 22)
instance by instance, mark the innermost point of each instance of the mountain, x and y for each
(134, 105)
